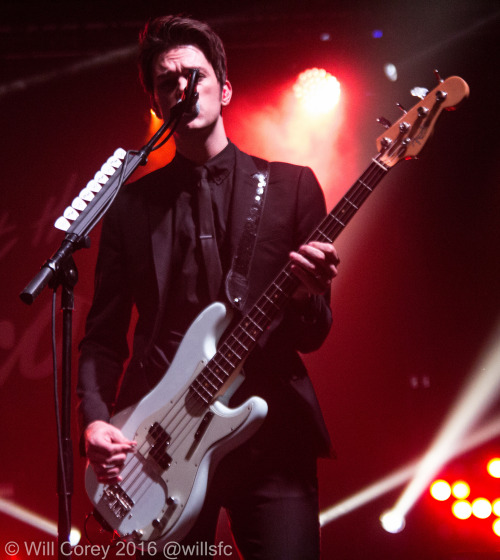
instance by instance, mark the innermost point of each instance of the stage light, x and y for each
(391, 72)
(397, 478)
(494, 467)
(440, 490)
(461, 509)
(496, 507)
(496, 527)
(475, 399)
(74, 537)
(317, 90)
(392, 521)
(35, 520)
(481, 508)
(460, 490)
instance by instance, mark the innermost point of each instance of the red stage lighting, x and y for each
(440, 490)
(317, 91)
(494, 467)
(461, 509)
(460, 490)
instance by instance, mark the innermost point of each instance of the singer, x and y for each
(167, 247)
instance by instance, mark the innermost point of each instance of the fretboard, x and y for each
(244, 337)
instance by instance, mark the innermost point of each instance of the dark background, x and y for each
(417, 297)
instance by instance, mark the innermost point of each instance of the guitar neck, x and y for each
(244, 337)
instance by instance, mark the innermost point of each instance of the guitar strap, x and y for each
(237, 277)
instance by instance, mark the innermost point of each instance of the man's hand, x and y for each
(315, 265)
(106, 448)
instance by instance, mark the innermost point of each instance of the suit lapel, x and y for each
(160, 218)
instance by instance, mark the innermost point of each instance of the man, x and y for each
(150, 257)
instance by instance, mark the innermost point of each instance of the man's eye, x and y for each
(167, 85)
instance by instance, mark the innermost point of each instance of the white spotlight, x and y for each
(392, 521)
(391, 72)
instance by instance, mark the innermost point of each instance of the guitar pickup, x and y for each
(159, 440)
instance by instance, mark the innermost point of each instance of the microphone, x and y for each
(188, 103)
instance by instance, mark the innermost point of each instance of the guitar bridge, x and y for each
(117, 500)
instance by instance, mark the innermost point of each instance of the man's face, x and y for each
(170, 74)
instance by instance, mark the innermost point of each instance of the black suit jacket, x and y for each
(133, 269)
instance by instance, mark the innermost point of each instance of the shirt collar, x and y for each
(218, 167)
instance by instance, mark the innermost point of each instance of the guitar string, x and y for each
(329, 229)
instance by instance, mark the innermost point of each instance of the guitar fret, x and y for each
(199, 394)
(262, 312)
(226, 357)
(380, 164)
(339, 221)
(239, 342)
(247, 333)
(365, 185)
(209, 367)
(256, 324)
(270, 301)
(219, 355)
(351, 203)
(202, 385)
(219, 369)
(207, 380)
(277, 287)
(233, 351)
(323, 234)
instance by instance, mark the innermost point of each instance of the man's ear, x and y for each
(227, 93)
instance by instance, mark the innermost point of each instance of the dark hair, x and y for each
(163, 33)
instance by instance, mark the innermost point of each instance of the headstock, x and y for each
(405, 138)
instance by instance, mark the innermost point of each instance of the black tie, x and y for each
(208, 240)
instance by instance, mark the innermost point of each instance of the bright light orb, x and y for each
(494, 467)
(317, 91)
(496, 527)
(481, 508)
(461, 509)
(392, 521)
(391, 72)
(74, 537)
(460, 490)
(496, 507)
(440, 490)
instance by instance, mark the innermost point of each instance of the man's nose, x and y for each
(181, 86)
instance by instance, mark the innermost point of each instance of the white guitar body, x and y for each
(179, 443)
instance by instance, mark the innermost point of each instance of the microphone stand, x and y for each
(60, 270)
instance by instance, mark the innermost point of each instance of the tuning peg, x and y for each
(384, 122)
(419, 92)
(438, 77)
(402, 108)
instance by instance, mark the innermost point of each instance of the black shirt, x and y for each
(188, 294)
